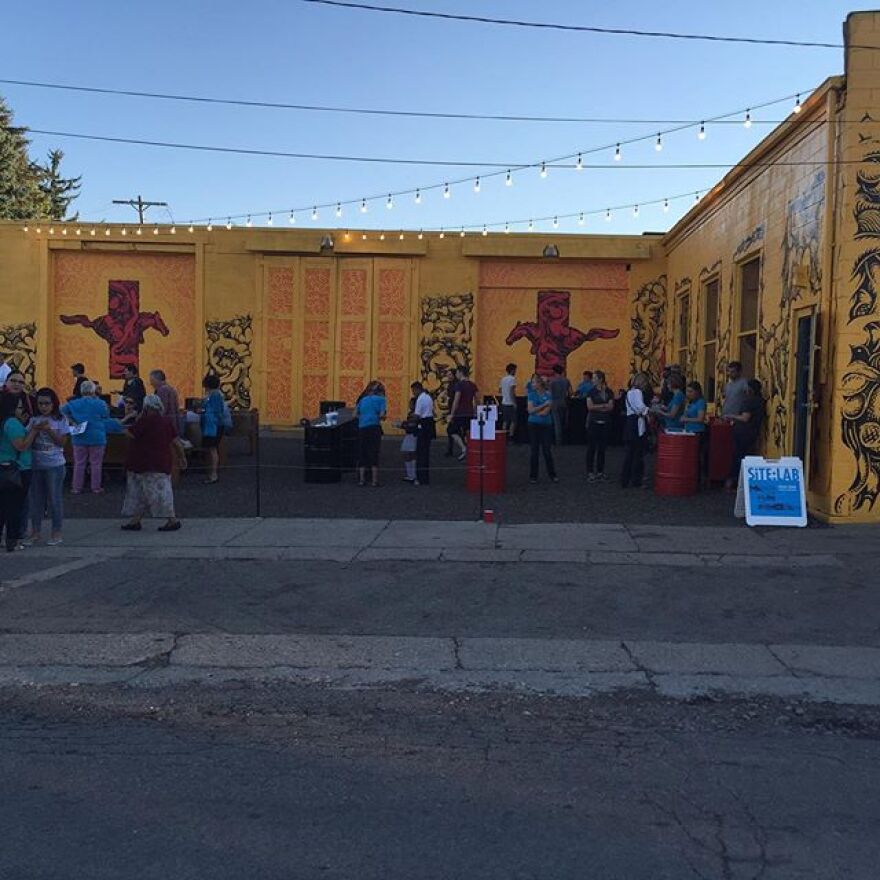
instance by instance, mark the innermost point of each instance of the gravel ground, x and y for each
(284, 493)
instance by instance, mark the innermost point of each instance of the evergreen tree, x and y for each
(21, 197)
(59, 191)
(28, 190)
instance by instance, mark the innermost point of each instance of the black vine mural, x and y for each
(446, 340)
(19, 349)
(863, 301)
(230, 356)
(860, 416)
(801, 245)
(648, 322)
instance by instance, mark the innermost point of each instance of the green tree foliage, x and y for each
(59, 191)
(28, 190)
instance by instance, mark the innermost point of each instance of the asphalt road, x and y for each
(755, 603)
(287, 783)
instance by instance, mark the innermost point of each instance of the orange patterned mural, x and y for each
(281, 289)
(165, 286)
(575, 313)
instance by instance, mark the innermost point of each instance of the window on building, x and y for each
(710, 337)
(682, 324)
(749, 293)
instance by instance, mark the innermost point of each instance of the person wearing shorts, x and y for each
(371, 409)
(462, 411)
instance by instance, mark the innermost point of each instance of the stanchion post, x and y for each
(258, 465)
(480, 423)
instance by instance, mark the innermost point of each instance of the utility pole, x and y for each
(140, 206)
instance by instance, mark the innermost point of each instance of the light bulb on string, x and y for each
(123, 231)
(659, 145)
(531, 226)
(314, 213)
(269, 220)
(747, 123)
(485, 231)
(701, 134)
(418, 198)
(106, 231)
(139, 231)
(635, 210)
(381, 236)
(617, 154)
(79, 232)
(696, 197)
(51, 230)
(665, 205)
(608, 215)
(363, 236)
(421, 235)
(506, 228)
(91, 232)
(556, 223)
(363, 206)
(461, 234)
(446, 193)
(191, 227)
(155, 230)
(477, 185)
(400, 236)
(442, 234)
(210, 225)
(63, 230)
(338, 209)
(581, 219)
(390, 202)
(508, 181)
(173, 230)
(579, 165)
(292, 218)
(26, 228)
(249, 223)
(797, 104)
(228, 224)
(543, 169)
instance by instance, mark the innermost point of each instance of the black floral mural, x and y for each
(230, 356)
(863, 301)
(445, 342)
(648, 322)
(860, 416)
(801, 244)
(19, 349)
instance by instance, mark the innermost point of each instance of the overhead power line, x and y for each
(374, 111)
(574, 28)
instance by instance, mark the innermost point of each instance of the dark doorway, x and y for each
(803, 392)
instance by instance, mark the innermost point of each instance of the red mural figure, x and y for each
(552, 338)
(124, 325)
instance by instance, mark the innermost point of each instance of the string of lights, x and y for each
(375, 111)
(574, 28)
(447, 186)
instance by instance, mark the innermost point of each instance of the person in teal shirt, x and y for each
(674, 410)
(89, 445)
(586, 386)
(15, 468)
(695, 420)
(540, 428)
(371, 409)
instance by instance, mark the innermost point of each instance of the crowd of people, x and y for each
(36, 427)
(641, 411)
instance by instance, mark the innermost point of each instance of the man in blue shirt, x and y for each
(586, 386)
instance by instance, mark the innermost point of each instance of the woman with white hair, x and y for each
(148, 465)
(88, 445)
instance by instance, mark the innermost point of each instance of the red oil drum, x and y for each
(720, 450)
(678, 461)
(494, 464)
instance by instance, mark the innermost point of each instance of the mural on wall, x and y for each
(230, 356)
(446, 341)
(551, 336)
(19, 349)
(863, 301)
(123, 327)
(860, 420)
(801, 243)
(648, 324)
(725, 322)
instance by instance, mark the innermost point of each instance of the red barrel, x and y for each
(494, 464)
(720, 450)
(678, 464)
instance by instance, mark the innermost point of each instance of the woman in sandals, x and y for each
(148, 465)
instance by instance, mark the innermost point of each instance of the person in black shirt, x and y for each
(133, 387)
(600, 406)
(746, 428)
(79, 376)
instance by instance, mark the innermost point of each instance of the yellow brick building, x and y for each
(774, 267)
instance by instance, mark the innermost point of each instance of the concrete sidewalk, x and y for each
(810, 673)
(346, 540)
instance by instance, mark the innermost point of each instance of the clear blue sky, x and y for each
(283, 50)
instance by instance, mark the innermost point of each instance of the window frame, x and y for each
(680, 350)
(739, 334)
(710, 392)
